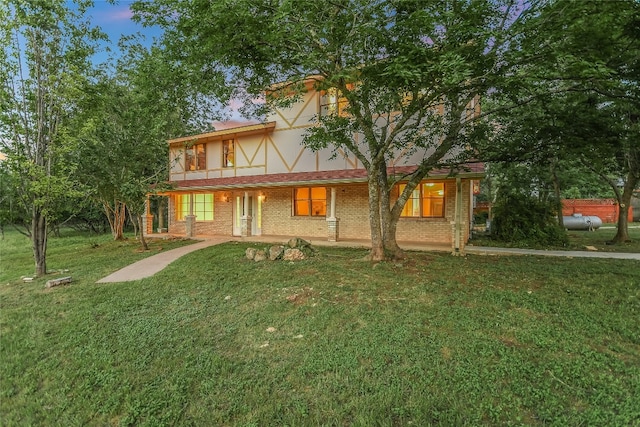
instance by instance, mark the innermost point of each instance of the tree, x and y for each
(45, 58)
(581, 87)
(410, 72)
(128, 116)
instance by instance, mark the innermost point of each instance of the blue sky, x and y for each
(115, 21)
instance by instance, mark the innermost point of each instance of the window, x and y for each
(195, 158)
(228, 154)
(426, 201)
(202, 206)
(310, 201)
(332, 102)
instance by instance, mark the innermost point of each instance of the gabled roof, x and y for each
(343, 176)
(240, 130)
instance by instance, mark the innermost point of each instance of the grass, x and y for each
(216, 339)
(579, 240)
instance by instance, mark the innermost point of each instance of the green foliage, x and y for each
(502, 341)
(518, 218)
(44, 63)
(579, 96)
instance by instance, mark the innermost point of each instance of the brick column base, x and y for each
(148, 226)
(332, 229)
(246, 226)
(190, 225)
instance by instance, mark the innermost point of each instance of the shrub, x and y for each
(523, 219)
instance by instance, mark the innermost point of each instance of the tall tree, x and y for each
(128, 116)
(408, 70)
(45, 58)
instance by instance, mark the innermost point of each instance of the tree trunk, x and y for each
(624, 201)
(388, 220)
(556, 191)
(116, 215)
(377, 246)
(143, 241)
(39, 241)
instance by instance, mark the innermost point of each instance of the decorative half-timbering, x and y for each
(260, 179)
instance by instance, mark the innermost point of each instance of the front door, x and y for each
(255, 212)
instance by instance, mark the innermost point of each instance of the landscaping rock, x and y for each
(293, 255)
(251, 253)
(299, 243)
(260, 256)
(276, 252)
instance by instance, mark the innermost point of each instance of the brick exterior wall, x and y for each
(351, 210)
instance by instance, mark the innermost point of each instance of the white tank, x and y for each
(579, 222)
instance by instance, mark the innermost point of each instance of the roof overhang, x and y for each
(319, 178)
(219, 134)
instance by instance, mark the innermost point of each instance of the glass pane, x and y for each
(183, 204)
(301, 193)
(433, 199)
(228, 158)
(301, 207)
(319, 193)
(189, 159)
(202, 157)
(238, 212)
(319, 208)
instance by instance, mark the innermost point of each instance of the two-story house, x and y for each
(260, 179)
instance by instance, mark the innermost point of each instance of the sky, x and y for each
(115, 20)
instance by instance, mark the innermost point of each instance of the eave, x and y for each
(318, 178)
(216, 135)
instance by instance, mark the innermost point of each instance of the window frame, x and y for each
(196, 156)
(309, 200)
(183, 203)
(333, 102)
(421, 200)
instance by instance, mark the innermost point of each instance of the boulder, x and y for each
(293, 254)
(297, 242)
(260, 256)
(251, 253)
(275, 252)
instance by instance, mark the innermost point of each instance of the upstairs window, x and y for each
(332, 102)
(195, 158)
(228, 153)
(426, 201)
(310, 201)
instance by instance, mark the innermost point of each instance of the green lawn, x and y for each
(216, 339)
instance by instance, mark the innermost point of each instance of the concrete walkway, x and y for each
(149, 266)
(485, 250)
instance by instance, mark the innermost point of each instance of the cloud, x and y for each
(122, 14)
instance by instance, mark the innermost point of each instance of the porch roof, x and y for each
(343, 176)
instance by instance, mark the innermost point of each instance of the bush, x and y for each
(523, 219)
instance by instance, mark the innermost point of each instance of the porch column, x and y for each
(332, 221)
(457, 223)
(246, 218)
(148, 217)
(190, 220)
